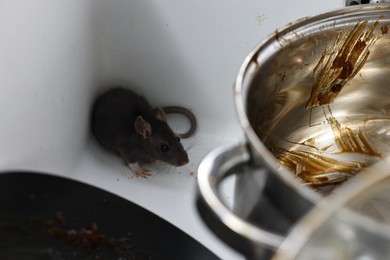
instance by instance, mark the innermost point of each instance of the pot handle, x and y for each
(235, 231)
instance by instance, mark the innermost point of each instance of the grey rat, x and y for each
(125, 123)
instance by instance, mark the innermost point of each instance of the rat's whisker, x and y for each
(174, 124)
(169, 169)
(160, 166)
(165, 167)
(194, 142)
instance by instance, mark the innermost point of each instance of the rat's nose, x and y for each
(182, 161)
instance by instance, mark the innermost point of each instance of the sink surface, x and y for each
(57, 56)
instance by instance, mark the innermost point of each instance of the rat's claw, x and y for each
(144, 174)
(139, 171)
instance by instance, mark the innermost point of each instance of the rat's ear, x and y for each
(160, 114)
(142, 127)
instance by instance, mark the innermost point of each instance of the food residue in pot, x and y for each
(349, 141)
(317, 167)
(341, 60)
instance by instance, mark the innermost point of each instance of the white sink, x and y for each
(56, 56)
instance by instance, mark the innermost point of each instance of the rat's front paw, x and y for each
(139, 171)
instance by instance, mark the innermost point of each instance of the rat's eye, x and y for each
(164, 148)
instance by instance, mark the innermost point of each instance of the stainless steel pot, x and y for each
(313, 102)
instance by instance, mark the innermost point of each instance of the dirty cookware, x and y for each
(49, 217)
(313, 101)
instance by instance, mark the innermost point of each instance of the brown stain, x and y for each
(277, 35)
(255, 58)
(384, 29)
(61, 217)
(88, 237)
(340, 62)
(336, 88)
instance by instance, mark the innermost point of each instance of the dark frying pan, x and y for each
(48, 217)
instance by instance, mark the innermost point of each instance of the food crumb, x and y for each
(60, 217)
(260, 18)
